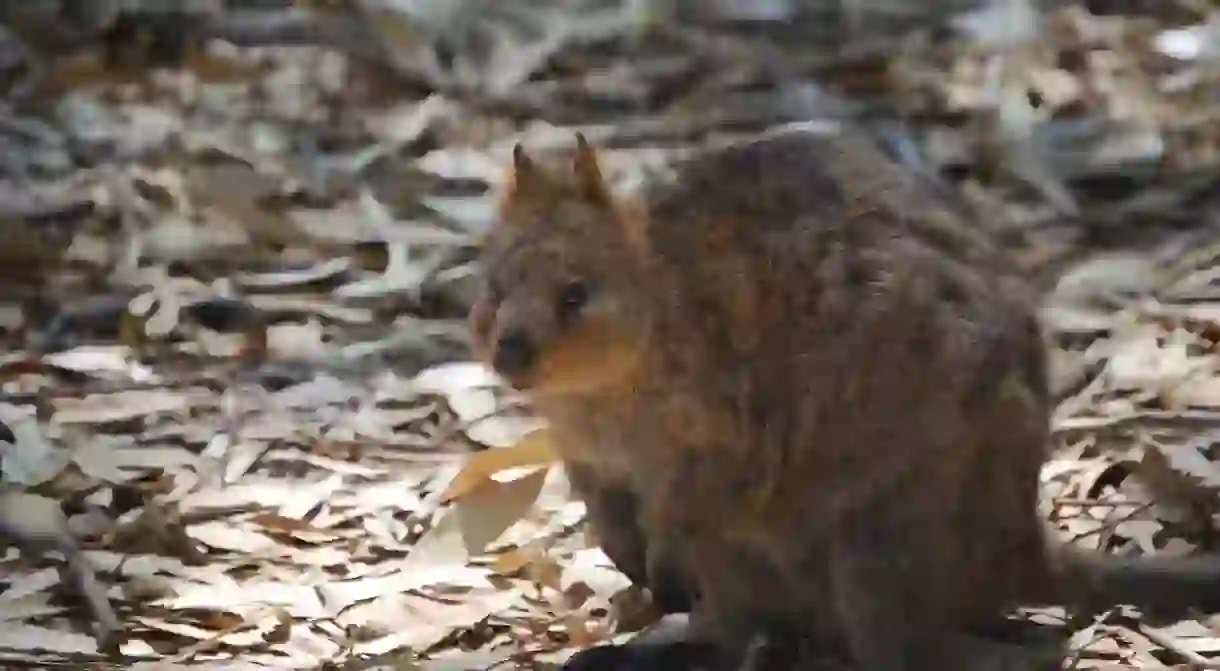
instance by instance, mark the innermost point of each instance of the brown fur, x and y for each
(826, 393)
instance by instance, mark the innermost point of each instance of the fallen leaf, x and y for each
(534, 449)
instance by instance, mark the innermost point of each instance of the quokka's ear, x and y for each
(525, 171)
(588, 173)
(521, 160)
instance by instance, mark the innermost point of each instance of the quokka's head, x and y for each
(559, 308)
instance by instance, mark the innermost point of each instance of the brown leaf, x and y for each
(535, 449)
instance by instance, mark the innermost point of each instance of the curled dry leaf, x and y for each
(533, 450)
(30, 459)
(485, 513)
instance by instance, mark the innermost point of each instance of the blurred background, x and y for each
(237, 241)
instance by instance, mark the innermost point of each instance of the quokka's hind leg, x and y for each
(672, 644)
(889, 586)
(614, 515)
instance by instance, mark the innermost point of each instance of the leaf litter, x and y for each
(238, 401)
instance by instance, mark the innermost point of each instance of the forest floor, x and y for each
(233, 290)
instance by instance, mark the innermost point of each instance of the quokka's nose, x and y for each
(514, 354)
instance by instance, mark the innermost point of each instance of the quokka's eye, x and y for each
(572, 299)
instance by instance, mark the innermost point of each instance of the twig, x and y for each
(37, 525)
(1189, 419)
(252, 27)
(1110, 525)
(1170, 643)
(1068, 501)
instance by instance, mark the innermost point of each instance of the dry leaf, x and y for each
(535, 449)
